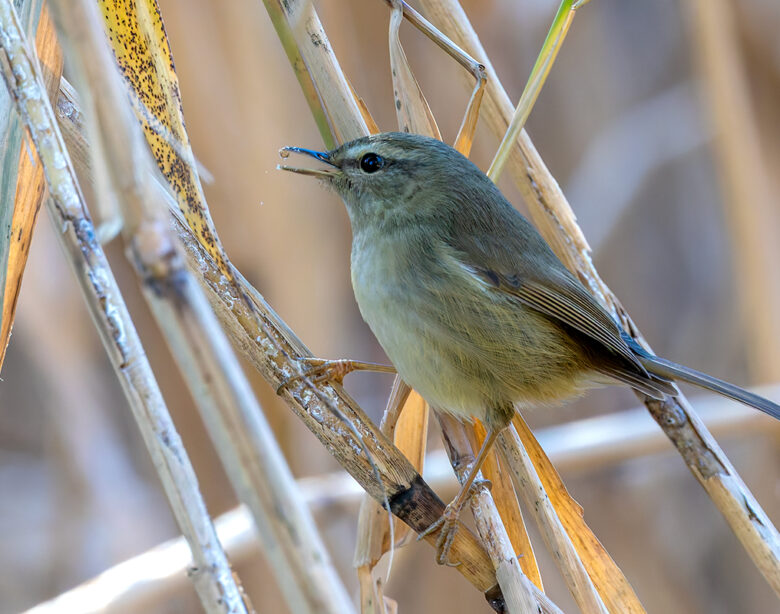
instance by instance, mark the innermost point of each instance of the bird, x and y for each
(470, 304)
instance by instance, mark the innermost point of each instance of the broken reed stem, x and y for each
(520, 594)
(529, 486)
(555, 219)
(227, 404)
(211, 573)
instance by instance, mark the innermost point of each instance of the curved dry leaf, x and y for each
(613, 587)
(509, 509)
(414, 114)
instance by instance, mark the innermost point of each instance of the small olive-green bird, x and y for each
(471, 305)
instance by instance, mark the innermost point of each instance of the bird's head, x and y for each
(392, 176)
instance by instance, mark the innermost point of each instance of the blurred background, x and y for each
(673, 177)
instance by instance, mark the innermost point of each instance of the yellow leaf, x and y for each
(611, 584)
(137, 37)
(30, 184)
(508, 506)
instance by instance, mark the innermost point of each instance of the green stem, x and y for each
(276, 13)
(552, 44)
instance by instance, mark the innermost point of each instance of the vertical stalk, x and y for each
(211, 572)
(242, 437)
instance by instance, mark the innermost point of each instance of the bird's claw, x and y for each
(319, 370)
(448, 524)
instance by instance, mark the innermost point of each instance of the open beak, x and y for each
(322, 156)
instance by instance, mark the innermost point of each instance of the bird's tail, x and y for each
(668, 369)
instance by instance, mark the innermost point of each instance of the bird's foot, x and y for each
(448, 524)
(320, 370)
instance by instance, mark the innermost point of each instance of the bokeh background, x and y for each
(626, 125)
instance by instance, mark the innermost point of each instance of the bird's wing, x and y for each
(559, 298)
(559, 295)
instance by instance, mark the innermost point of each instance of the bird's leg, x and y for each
(449, 520)
(322, 370)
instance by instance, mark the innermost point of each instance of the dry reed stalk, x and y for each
(554, 218)
(503, 493)
(750, 209)
(520, 594)
(211, 572)
(30, 185)
(556, 538)
(582, 446)
(232, 415)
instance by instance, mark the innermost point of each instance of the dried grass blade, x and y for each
(11, 141)
(414, 114)
(465, 136)
(558, 543)
(612, 585)
(468, 126)
(30, 185)
(550, 48)
(372, 126)
(508, 507)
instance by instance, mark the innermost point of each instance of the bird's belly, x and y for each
(390, 305)
(421, 359)
(463, 353)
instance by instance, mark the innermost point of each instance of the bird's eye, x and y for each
(371, 163)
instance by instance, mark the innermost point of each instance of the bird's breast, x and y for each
(398, 285)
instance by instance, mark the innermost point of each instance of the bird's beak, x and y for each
(323, 156)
